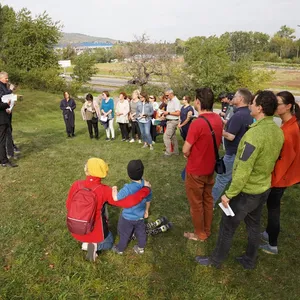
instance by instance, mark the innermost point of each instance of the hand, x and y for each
(8, 111)
(179, 126)
(225, 200)
(147, 183)
(165, 113)
(146, 214)
(115, 193)
(12, 87)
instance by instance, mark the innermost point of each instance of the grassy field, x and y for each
(40, 260)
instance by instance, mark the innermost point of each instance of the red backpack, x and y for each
(82, 212)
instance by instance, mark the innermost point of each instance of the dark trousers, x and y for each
(124, 130)
(248, 208)
(184, 130)
(9, 141)
(92, 125)
(135, 130)
(126, 228)
(3, 132)
(69, 119)
(153, 132)
(273, 205)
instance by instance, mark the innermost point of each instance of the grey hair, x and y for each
(3, 74)
(170, 91)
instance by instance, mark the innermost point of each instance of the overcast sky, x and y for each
(166, 19)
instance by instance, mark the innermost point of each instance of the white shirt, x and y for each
(173, 105)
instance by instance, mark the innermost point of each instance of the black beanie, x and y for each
(135, 169)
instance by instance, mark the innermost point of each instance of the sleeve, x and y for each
(243, 166)
(73, 104)
(284, 162)
(3, 106)
(127, 108)
(123, 193)
(62, 105)
(149, 197)
(97, 108)
(130, 200)
(193, 133)
(83, 112)
(234, 125)
(112, 104)
(151, 111)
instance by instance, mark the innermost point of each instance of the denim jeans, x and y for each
(248, 208)
(145, 131)
(273, 205)
(222, 180)
(107, 243)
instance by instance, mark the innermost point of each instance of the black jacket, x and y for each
(4, 117)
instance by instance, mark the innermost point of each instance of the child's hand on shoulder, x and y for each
(115, 193)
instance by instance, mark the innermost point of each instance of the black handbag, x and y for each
(220, 165)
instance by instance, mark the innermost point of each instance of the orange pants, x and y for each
(199, 194)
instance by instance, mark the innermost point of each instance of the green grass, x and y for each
(40, 260)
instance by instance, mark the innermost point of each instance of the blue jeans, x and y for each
(107, 243)
(222, 180)
(145, 131)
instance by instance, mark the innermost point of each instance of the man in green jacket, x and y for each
(257, 153)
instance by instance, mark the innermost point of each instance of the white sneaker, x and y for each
(140, 141)
(145, 146)
(131, 141)
(84, 246)
(153, 142)
(151, 147)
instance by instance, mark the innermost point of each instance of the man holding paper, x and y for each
(251, 180)
(4, 119)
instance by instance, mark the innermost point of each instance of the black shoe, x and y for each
(69, 136)
(107, 139)
(112, 139)
(9, 165)
(160, 229)
(205, 261)
(91, 137)
(97, 138)
(241, 260)
(73, 134)
(156, 223)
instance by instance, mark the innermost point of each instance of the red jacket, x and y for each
(104, 195)
(287, 168)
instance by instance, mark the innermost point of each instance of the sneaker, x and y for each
(145, 146)
(267, 248)
(84, 246)
(9, 165)
(151, 147)
(264, 237)
(131, 141)
(160, 229)
(153, 142)
(91, 252)
(107, 139)
(140, 141)
(123, 140)
(156, 223)
(126, 141)
(112, 139)
(116, 250)
(16, 150)
(138, 250)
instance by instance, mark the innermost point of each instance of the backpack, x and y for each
(82, 212)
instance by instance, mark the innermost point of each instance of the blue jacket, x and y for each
(148, 111)
(136, 212)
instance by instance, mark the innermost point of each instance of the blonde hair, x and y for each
(137, 92)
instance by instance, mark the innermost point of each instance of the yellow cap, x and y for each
(97, 167)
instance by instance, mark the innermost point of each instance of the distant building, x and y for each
(81, 47)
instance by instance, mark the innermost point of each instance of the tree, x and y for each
(29, 42)
(84, 67)
(209, 64)
(68, 53)
(282, 41)
(145, 59)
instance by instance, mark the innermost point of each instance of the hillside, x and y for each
(75, 38)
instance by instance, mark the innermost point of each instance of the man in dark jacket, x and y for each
(4, 120)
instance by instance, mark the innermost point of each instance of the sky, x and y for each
(165, 20)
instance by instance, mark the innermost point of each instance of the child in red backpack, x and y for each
(101, 238)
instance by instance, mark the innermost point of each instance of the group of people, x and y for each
(8, 149)
(261, 161)
(139, 117)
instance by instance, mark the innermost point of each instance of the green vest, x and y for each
(256, 156)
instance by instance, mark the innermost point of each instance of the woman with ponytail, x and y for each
(286, 172)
